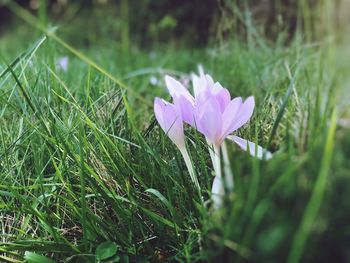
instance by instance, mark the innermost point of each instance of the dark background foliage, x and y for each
(193, 23)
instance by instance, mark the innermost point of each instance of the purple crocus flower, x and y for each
(170, 120)
(212, 112)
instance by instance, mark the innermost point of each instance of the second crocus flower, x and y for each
(170, 120)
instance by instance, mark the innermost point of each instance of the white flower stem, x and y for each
(214, 152)
(189, 166)
(217, 161)
(217, 189)
(229, 180)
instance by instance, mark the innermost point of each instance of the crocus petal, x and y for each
(159, 105)
(217, 192)
(210, 81)
(230, 115)
(244, 144)
(201, 88)
(208, 119)
(216, 88)
(197, 85)
(223, 97)
(169, 119)
(176, 89)
(244, 114)
(186, 108)
(201, 70)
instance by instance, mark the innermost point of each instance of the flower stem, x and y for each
(189, 166)
(217, 161)
(229, 180)
(214, 152)
(217, 188)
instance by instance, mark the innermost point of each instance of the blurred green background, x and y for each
(147, 23)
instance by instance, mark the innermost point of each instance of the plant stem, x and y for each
(214, 152)
(217, 161)
(217, 188)
(229, 180)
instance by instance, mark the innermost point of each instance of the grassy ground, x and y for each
(83, 161)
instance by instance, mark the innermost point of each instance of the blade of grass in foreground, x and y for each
(83, 190)
(315, 201)
(282, 108)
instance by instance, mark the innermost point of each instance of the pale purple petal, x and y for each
(176, 89)
(203, 96)
(170, 121)
(201, 70)
(186, 108)
(197, 85)
(223, 97)
(230, 115)
(216, 88)
(244, 114)
(200, 86)
(210, 81)
(208, 119)
(159, 105)
(246, 145)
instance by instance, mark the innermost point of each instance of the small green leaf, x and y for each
(31, 257)
(106, 250)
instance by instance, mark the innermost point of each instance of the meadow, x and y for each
(88, 175)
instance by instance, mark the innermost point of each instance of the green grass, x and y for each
(83, 161)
